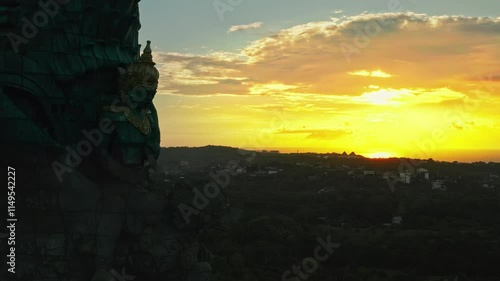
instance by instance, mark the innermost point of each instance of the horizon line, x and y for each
(287, 150)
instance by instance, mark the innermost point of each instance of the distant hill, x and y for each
(209, 155)
(201, 156)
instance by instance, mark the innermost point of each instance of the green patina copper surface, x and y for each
(78, 120)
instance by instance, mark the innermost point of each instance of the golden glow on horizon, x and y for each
(380, 155)
(434, 96)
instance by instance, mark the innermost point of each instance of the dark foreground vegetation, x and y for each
(442, 225)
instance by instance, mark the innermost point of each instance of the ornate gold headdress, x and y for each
(141, 72)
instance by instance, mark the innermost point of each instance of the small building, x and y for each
(397, 220)
(405, 177)
(438, 185)
(423, 173)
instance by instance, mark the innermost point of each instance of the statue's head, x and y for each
(141, 78)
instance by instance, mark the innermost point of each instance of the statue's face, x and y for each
(142, 83)
(143, 94)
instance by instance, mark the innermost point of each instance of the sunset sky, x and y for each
(382, 78)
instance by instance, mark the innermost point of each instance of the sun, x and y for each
(386, 96)
(380, 155)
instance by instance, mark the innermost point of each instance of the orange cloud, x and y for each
(395, 78)
(375, 73)
(255, 25)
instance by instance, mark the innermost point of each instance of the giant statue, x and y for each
(81, 131)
